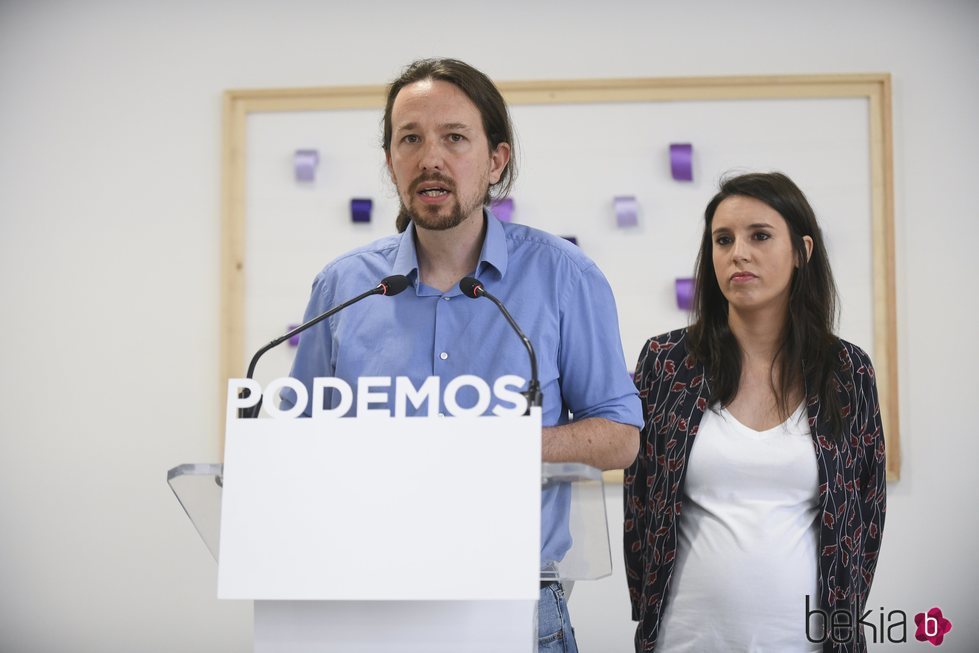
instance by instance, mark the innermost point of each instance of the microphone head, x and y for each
(471, 287)
(394, 284)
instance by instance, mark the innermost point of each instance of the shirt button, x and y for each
(446, 298)
(443, 355)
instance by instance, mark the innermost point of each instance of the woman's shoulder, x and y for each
(853, 359)
(670, 346)
(856, 368)
(853, 352)
(669, 340)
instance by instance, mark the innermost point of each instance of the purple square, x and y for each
(503, 209)
(684, 293)
(305, 163)
(626, 211)
(681, 161)
(360, 209)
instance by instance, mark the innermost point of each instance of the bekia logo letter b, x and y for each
(932, 626)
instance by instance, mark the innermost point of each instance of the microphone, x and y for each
(472, 287)
(389, 287)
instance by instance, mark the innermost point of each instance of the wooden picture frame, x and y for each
(875, 88)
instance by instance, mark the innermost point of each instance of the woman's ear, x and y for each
(807, 241)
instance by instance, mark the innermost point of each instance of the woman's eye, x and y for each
(761, 235)
(723, 240)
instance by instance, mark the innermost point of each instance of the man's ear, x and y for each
(387, 160)
(499, 158)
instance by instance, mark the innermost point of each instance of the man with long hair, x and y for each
(449, 147)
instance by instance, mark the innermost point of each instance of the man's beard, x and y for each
(431, 217)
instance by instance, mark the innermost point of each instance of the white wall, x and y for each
(109, 205)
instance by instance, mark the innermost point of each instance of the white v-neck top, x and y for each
(746, 556)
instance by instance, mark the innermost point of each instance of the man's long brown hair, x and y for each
(483, 93)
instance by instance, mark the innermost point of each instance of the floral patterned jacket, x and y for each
(675, 393)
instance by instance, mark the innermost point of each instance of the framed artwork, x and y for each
(598, 162)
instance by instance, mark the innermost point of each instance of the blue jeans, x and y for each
(554, 631)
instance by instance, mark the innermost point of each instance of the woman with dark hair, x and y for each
(753, 512)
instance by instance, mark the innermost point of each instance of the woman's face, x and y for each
(752, 253)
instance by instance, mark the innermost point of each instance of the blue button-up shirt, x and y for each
(555, 293)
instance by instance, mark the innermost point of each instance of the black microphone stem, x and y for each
(473, 288)
(513, 324)
(302, 327)
(389, 286)
(253, 411)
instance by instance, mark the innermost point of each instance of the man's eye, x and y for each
(410, 138)
(456, 138)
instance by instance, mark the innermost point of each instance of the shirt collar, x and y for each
(406, 262)
(493, 253)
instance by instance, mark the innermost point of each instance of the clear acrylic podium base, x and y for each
(198, 489)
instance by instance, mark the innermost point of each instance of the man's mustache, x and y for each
(436, 177)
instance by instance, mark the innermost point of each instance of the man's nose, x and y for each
(432, 155)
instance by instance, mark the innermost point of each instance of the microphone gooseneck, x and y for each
(473, 288)
(389, 287)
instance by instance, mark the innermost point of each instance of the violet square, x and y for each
(626, 211)
(360, 209)
(503, 209)
(681, 161)
(305, 163)
(684, 293)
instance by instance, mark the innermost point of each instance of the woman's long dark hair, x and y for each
(809, 352)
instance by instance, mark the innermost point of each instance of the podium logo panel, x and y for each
(381, 396)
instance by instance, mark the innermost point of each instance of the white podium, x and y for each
(389, 534)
